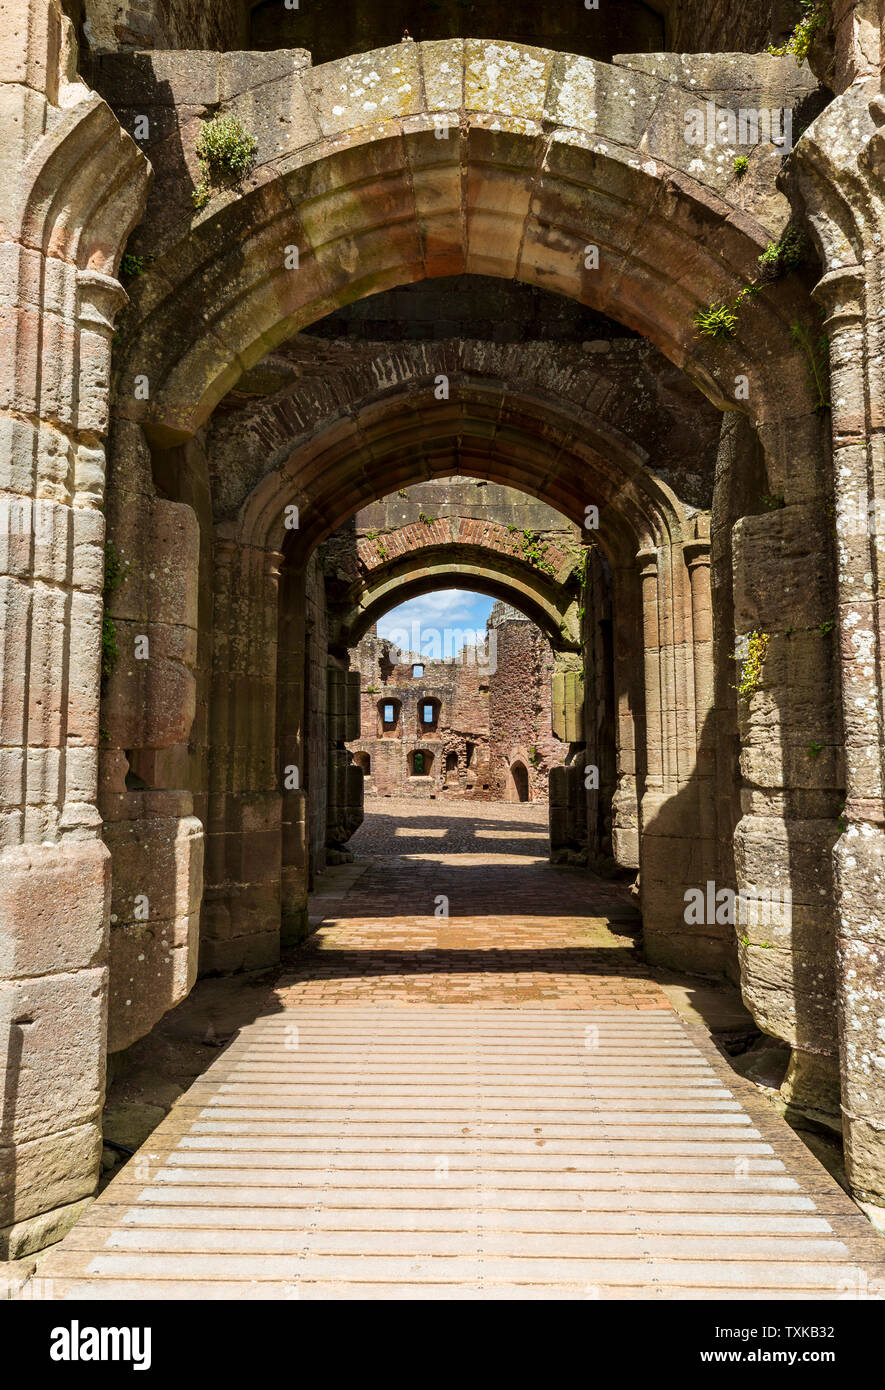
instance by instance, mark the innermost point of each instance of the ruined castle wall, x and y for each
(460, 686)
(520, 711)
(491, 713)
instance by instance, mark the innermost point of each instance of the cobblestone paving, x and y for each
(460, 906)
(404, 826)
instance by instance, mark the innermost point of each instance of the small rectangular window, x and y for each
(417, 671)
(388, 714)
(428, 714)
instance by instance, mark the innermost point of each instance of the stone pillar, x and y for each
(629, 681)
(859, 854)
(58, 298)
(676, 845)
(147, 713)
(697, 558)
(783, 606)
(241, 915)
(292, 678)
(344, 801)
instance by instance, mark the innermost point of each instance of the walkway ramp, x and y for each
(449, 1152)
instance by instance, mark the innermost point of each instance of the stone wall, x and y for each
(720, 26)
(109, 25)
(459, 689)
(59, 296)
(521, 710)
(630, 26)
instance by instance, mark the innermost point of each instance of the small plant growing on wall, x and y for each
(741, 165)
(780, 257)
(815, 347)
(226, 152)
(716, 321)
(131, 266)
(815, 14)
(752, 662)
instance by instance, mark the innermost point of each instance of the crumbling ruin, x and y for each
(199, 392)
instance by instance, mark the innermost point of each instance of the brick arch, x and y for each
(544, 154)
(461, 551)
(552, 610)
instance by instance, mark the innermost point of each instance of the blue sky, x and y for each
(444, 618)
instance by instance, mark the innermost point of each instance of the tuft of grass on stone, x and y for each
(226, 152)
(716, 321)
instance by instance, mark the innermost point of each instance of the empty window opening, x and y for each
(388, 716)
(428, 714)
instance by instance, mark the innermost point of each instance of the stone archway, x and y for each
(478, 157)
(505, 198)
(458, 551)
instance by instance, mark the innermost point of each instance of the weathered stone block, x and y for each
(56, 1028)
(50, 1171)
(158, 861)
(54, 903)
(153, 966)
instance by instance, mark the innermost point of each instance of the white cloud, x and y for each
(444, 609)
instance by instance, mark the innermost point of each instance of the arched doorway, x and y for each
(519, 780)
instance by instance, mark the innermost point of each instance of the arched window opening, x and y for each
(389, 716)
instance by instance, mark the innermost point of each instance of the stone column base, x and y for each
(811, 1088)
